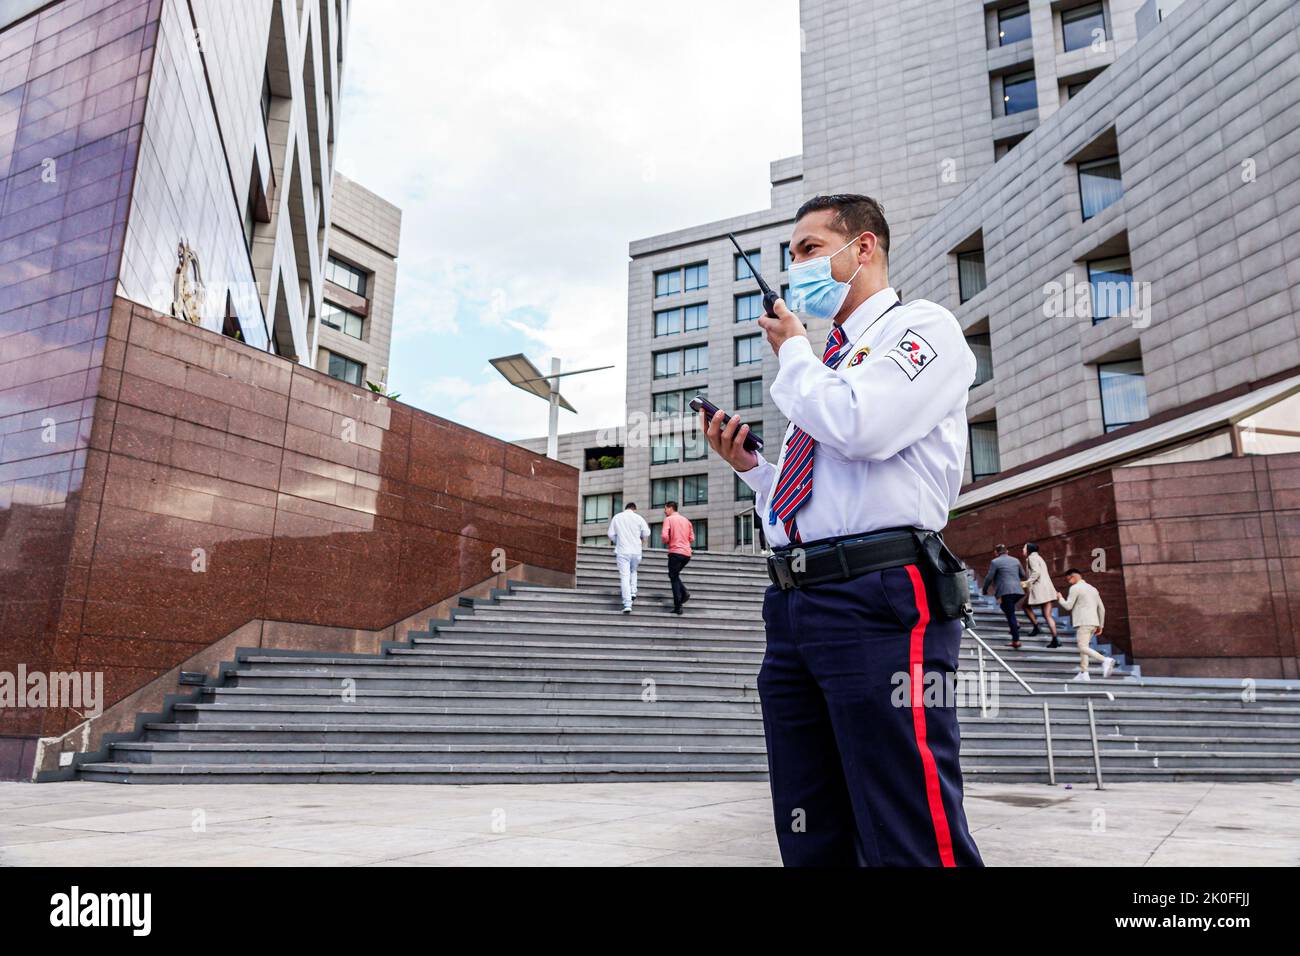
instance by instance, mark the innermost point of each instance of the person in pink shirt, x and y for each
(677, 535)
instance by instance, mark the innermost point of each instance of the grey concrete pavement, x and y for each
(658, 824)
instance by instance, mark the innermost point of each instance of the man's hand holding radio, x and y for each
(727, 438)
(784, 327)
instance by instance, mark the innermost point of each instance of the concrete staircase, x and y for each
(556, 685)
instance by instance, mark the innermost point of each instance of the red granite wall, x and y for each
(1202, 558)
(223, 484)
(1073, 523)
(73, 81)
(1211, 555)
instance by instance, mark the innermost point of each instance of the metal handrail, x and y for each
(1089, 693)
(754, 532)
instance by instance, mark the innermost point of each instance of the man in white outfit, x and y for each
(626, 530)
(1088, 615)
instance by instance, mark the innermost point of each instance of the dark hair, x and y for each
(630, 506)
(1031, 547)
(671, 504)
(1001, 549)
(1069, 571)
(854, 215)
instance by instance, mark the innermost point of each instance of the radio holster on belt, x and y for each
(945, 577)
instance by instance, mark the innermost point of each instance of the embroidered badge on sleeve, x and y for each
(859, 356)
(912, 353)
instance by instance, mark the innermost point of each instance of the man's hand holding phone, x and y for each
(727, 438)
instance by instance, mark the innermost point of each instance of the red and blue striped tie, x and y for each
(794, 486)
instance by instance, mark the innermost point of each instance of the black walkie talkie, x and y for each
(769, 297)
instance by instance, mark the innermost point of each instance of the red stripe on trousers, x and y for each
(916, 662)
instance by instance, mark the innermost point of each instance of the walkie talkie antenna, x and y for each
(769, 297)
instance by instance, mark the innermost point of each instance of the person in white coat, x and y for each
(1039, 592)
(627, 530)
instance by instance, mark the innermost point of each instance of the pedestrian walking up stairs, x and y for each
(544, 684)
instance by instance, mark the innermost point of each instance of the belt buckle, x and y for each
(778, 569)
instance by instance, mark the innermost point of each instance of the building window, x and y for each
(983, 349)
(749, 307)
(984, 450)
(598, 508)
(668, 322)
(1019, 93)
(668, 283)
(690, 278)
(1123, 393)
(662, 491)
(742, 270)
(1013, 24)
(696, 276)
(1074, 89)
(695, 317)
(656, 535)
(596, 540)
(665, 448)
(701, 528)
(695, 490)
(749, 393)
(1099, 185)
(787, 260)
(1004, 146)
(970, 274)
(266, 98)
(345, 369)
(743, 491)
(695, 446)
(342, 320)
(695, 359)
(602, 458)
(668, 364)
(745, 530)
(666, 405)
(1083, 26)
(347, 276)
(749, 350)
(1112, 287)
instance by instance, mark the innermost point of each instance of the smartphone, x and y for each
(701, 404)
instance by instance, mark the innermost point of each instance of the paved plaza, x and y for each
(630, 824)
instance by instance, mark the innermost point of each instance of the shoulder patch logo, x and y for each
(859, 356)
(912, 353)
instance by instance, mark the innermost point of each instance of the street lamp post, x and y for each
(522, 373)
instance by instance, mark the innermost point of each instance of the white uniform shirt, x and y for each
(889, 422)
(626, 529)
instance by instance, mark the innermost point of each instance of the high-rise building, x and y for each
(176, 258)
(356, 327)
(1105, 193)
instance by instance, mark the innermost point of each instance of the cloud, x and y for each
(527, 144)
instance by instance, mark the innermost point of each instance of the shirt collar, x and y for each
(868, 312)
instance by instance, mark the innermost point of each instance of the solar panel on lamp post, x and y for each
(523, 374)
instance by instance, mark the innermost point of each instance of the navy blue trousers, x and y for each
(863, 758)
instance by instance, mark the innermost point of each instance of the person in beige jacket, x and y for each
(1088, 615)
(1039, 592)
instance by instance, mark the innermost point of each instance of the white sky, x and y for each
(527, 143)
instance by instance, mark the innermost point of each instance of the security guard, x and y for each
(862, 617)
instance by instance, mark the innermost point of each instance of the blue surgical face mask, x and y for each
(816, 293)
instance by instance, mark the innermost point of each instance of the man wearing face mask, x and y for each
(862, 617)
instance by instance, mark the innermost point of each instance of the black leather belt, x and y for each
(839, 559)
